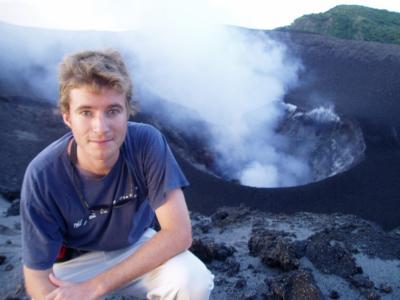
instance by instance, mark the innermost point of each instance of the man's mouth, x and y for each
(100, 142)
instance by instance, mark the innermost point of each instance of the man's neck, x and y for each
(88, 174)
(89, 167)
(95, 168)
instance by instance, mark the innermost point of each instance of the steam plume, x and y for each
(233, 78)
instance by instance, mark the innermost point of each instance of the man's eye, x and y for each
(86, 113)
(113, 112)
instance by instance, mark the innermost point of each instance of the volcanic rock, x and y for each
(294, 285)
(331, 256)
(208, 250)
(274, 248)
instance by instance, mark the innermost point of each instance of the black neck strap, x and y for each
(75, 180)
(77, 184)
(74, 153)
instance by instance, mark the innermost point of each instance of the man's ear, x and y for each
(67, 119)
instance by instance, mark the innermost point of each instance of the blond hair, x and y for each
(95, 70)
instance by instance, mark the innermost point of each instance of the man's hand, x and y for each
(68, 290)
(174, 237)
(37, 283)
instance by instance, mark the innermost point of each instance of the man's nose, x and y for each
(100, 124)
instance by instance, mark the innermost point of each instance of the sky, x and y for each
(112, 14)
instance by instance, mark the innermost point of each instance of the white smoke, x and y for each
(324, 114)
(233, 78)
(259, 175)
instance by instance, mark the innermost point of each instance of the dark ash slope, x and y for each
(359, 78)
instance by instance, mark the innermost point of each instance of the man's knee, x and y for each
(188, 277)
(195, 278)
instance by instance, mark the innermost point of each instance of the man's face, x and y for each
(98, 122)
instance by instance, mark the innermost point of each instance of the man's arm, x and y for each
(37, 283)
(174, 237)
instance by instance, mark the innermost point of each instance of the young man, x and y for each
(91, 198)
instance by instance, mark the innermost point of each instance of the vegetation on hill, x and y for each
(353, 22)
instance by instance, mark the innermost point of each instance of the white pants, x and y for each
(182, 277)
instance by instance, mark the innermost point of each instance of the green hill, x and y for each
(353, 22)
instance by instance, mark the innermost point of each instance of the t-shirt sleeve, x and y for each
(162, 172)
(41, 236)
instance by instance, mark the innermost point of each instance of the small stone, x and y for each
(17, 226)
(220, 281)
(5, 230)
(372, 295)
(205, 228)
(249, 296)
(13, 210)
(220, 215)
(359, 270)
(334, 295)
(241, 283)
(9, 267)
(232, 267)
(359, 280)
(19, 288)
(222, 252)
(385, 288)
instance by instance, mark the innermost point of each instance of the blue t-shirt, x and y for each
(53, 215)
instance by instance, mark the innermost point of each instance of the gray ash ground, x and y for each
(257, 255)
